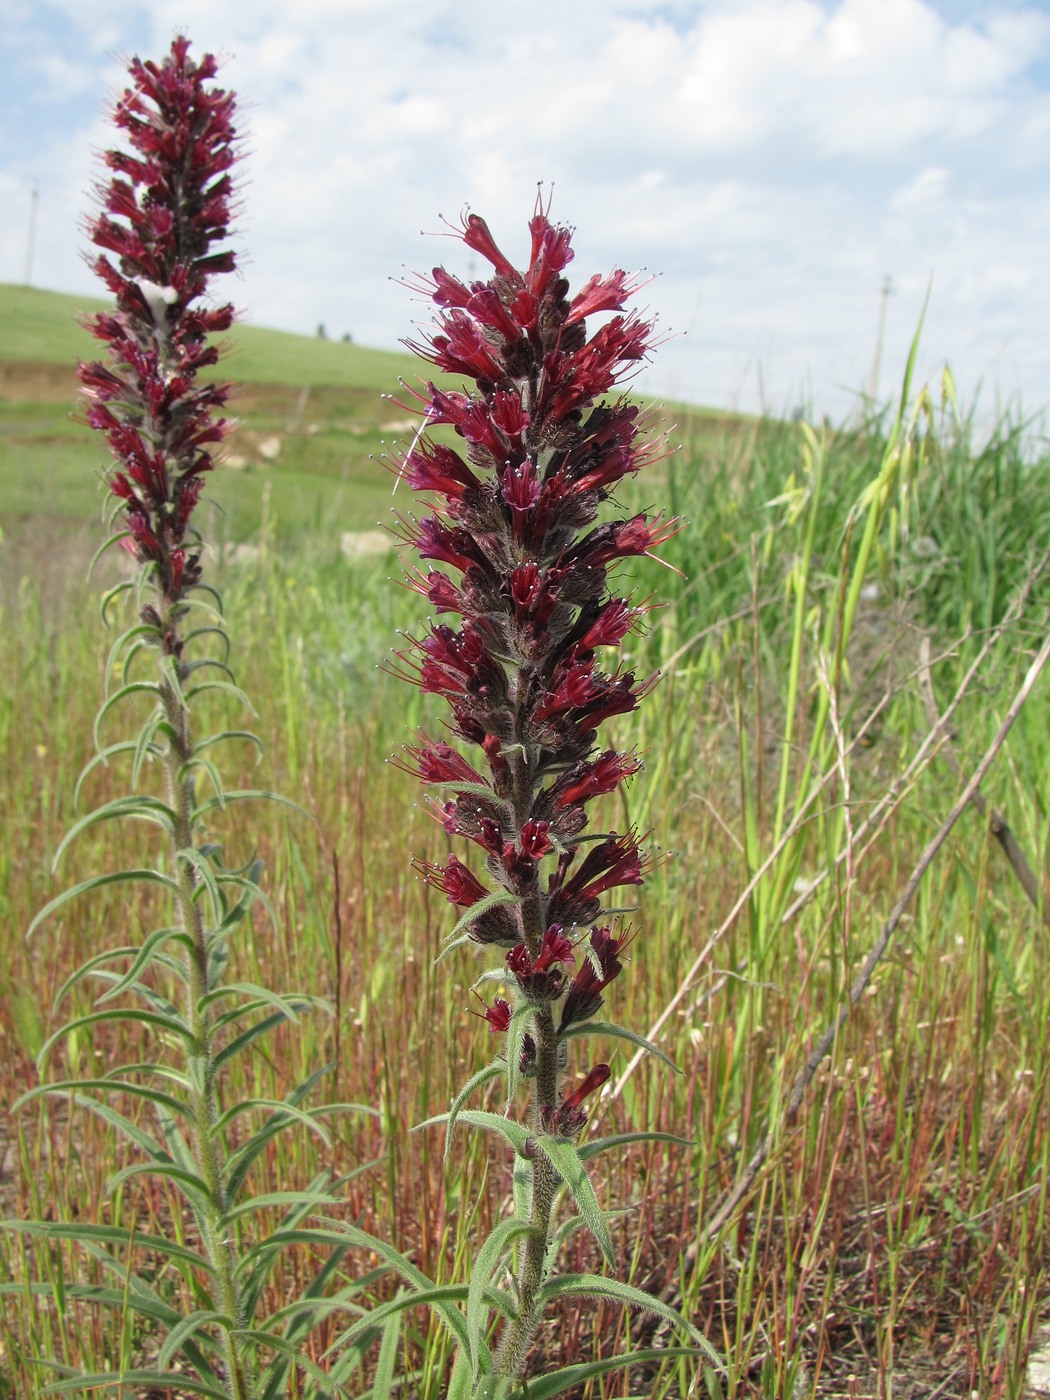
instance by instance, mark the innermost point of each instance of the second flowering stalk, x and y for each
(515, 547)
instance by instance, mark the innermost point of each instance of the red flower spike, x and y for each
(522, 556)
(162, 212)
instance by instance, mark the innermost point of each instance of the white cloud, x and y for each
(925, 188)
(774, 159)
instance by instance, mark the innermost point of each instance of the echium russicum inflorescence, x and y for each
(515, 548)
(162, 211)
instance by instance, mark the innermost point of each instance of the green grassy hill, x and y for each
(311, 424)
(43, 328)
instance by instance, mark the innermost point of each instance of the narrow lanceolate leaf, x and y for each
(227, 689)
(311, 1200)
(615, 1032)
(222, 735)
(136, 808)
(566, 1160)
(482, 1271)
(217, 609)
(202, 868)
(591, 1149)
(140, 629)
(394, 1259)
(124, 693)
(248, 795)
(174, 1025)
(450, 947)
(239, 1163)
(514, 1133)
(117, 591)
(142, 957)
(73, 1088)
(234, 1047)
(114, 1235)
(263, 996)
(206, 767)
(190, 1326)
(473, 1084)
(149, 1070)
(189, 1181)
(515, 1045)
(86, 969)
(98, 882)
(257, 1264)
(483, 905)
(145, 1382)
(569, 1377)
(117, 1121)
(201, 1202)
(205, 663)
(101, 760)
(151, 997)
(436, 1296)
(289, 1349)
(146, 745)
(597, 1286)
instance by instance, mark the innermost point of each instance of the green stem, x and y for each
(517, 1336)
(203, 1091)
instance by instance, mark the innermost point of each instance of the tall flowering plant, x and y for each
(540, 439)
(164, 210)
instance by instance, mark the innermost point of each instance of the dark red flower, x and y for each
(584, 997)
(567, 1120)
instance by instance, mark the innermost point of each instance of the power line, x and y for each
(34, 200)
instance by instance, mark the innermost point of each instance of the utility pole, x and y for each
(34, 200)
(876, 364)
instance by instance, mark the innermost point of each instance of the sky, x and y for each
(793, 172)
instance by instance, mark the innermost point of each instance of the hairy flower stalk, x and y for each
(165, 207)
(515, 548)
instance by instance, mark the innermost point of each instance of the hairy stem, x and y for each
(203, 1092)
(517, 1336)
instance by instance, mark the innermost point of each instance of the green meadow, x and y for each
(848, 616)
